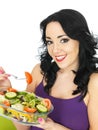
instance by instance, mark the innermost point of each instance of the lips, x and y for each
(60, 58)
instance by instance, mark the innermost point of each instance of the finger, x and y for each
(40, 123)
(41, 120)
(1, 70)
(4, 76)
(48, 119)
(45, 124)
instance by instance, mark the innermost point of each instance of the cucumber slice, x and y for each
(41, 108)
(10, 95)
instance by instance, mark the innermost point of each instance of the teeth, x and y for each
(60, 57)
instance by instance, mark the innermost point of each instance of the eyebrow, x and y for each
(57, 36)
(61, 36)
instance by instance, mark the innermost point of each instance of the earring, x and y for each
(52, 60)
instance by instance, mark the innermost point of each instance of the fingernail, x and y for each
(40, 120)
(1, 72)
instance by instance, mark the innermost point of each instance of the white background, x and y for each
(20, 33)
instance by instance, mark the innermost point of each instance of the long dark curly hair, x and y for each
(75, 26)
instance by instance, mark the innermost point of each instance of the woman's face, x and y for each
(62, 48)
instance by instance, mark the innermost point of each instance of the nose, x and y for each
(56, 48)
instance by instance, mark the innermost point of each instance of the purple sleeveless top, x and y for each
(70, 113)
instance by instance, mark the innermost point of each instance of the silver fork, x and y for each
(16, 77)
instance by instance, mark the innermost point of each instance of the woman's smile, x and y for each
(60, 58)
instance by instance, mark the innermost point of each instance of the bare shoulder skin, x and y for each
(93, 101)
(37, 78)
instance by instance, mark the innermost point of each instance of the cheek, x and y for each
(49, 51)
(75, 54)
(74, 48)
(72, 51)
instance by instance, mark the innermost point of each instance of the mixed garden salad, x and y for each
(23, 106)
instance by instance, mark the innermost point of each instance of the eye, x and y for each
(48, 42)
(64, 40)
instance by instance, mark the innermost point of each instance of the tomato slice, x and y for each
(1, 93)
(46, 102)
(6, 103)
(28, 77)
(28, 109)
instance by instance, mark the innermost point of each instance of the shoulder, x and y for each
(93, 84)
(36, 68)
(36, 76)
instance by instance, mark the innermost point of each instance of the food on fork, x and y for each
(29, 78)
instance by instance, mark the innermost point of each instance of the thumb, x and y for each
(41, 120)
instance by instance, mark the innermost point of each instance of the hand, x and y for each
(4, 81)
(3, 75)
(47, 124)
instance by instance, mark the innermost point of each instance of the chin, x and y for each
(62, 66)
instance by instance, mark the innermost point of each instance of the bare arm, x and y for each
(93, 102)
(45, 125)
(50, 125)
(21, 127)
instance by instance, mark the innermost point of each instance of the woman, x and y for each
(67, 74)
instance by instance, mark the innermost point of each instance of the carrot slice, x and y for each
(28, 77)
(11, 89)
(46, 102)
(28, 109)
